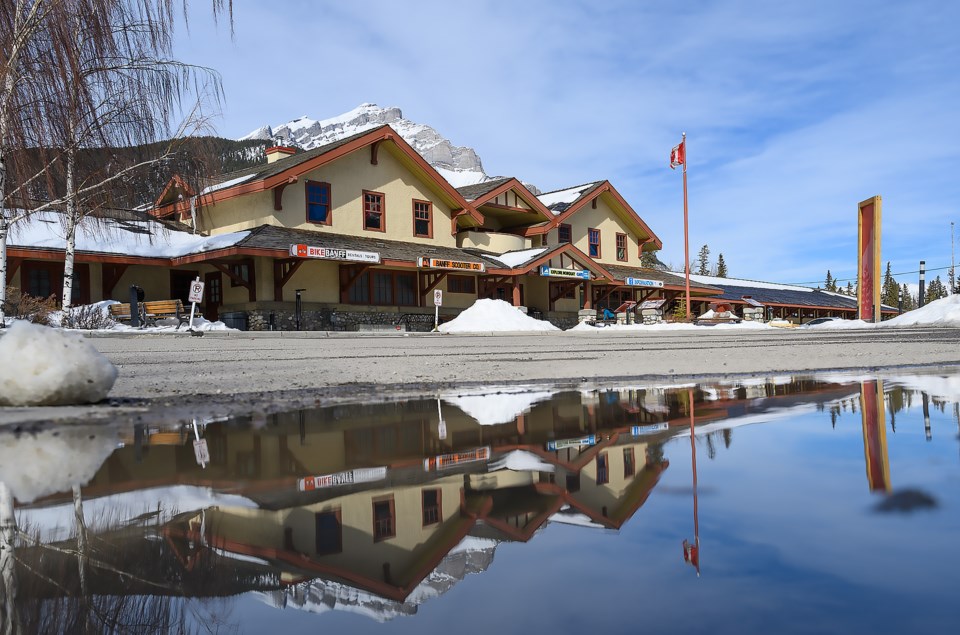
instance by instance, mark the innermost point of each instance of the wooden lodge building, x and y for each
(360, 233)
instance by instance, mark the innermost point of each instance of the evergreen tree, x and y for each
(890, 293)
(829, 284)
(703, 261)
(936, 290)
(909, 303)
(721, 267)
(849, 288)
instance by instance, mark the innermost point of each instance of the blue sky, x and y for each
(794, 111)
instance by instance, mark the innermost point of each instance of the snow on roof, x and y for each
(501, 407)
(740, 282)
(146, 238)
(520, 461)
(487, 316)
(222, 186)
(515, 258)
(567, 196)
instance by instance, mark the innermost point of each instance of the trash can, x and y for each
(236, 320)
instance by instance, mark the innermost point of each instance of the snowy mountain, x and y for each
(459, 165)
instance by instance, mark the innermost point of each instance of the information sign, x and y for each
(553, 446)
(652, 428)
(334, 253)
(643, 282)
(552, 272)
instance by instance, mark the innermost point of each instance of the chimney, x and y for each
(276, 153)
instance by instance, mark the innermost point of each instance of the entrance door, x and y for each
(213, 290)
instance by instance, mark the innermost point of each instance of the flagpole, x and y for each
(686, 225)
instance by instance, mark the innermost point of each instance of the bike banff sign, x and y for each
(551, 272)
(350, 477)
(444, 461)
(643, 282)
(458, 265)
(334, 253)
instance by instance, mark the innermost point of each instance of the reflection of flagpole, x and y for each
(874, 435)
(691, 553)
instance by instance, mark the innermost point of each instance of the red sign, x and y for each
(868, 260)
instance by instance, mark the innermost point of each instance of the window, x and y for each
(461, 284)
(318, 202)
(43, 279)
(373, 218)
(423, 219)
(384, 288)
(431, 507)
(384, 519)
(239, 271)
(563, 291)
(564, 235)
(329, 532)
(603, 469)
(629, 466)
(622, 247)
(594, 239)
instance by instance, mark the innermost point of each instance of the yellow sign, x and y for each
(460, 265)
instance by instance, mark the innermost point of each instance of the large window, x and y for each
(629, 464)
(384, 288)
(43, 279)
(461, 284)
(564, 235)
(603, 469)
(622, 247)
(373, 211)
(594, 240)
(423, 219)
(318, 202)
(384, 519)
(329, 532)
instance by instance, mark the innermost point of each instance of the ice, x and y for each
(487, 316)
(42, 366)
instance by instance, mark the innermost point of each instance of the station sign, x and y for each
(643, 282)
(583, 274)
(334, 253)
(350, 477)
(553, 446)
(458, 265)
(652, 428)
(444, 461)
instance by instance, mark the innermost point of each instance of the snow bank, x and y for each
(942, 312)
(494, 409)
(494, 315)
(51, 461)
(46, 367)
(583, 327)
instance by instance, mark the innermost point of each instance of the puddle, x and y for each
(823, 503)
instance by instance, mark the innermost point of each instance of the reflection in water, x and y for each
(372, 508)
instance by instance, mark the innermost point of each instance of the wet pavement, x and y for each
(783, 503)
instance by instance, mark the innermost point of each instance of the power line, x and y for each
(901, 273)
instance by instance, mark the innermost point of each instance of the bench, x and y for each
(152, 311)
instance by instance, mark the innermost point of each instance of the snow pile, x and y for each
(494, 409)
(521, 461)
(171, 325)
(487, 316)
(585, 327)
(46, 367)
(51, 461)
(942, 312)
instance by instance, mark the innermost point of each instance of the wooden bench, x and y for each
(152, 311)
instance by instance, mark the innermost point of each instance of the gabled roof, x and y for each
(567, 202)
(268, 176)
(482, 193)
(544, 256)
(477, 190)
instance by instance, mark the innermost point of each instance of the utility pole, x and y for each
(923, 280)
(953, 270)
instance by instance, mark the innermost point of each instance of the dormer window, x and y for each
(564, 235)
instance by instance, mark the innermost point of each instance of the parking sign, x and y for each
(196, 291)
(438, 297)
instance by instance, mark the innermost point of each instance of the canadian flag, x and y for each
(678, 156)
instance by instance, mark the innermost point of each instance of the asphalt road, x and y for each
(165, 376)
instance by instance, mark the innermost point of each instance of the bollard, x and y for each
(923, 280)
(299, 308)
(136, 296)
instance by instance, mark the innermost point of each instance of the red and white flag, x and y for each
(678, 156)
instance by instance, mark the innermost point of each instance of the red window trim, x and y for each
(472, 283)
(306, 201)
(377, 537)
(423, 510)
(560, 228)
(429, 205)
(383, 211)
(629, 467)
(624, 248)
(590, 244)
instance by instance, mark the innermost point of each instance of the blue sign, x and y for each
(546, 270)
(553, 446)
(643, 282)
(649, 429)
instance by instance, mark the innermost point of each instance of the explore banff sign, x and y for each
(333, 253)
(643, 282)
(459, 265)
(551, 272)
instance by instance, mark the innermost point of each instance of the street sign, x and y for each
(438, 297)
(202, 452)
(643, 282)
(441, 263)
(196, 291)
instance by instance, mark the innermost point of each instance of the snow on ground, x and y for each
(494, 409)
(487, 316)
(48, 367)
(942, 312)
(520, 461)
(583, 327)
(50, 461)
(147, 238)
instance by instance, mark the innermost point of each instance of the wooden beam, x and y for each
(237, 280)
(603, 293)
(283, 270)
(278, 192)
(374, 150)
(12, 265)
(429, 281)
(515, 281)
(349, 275)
